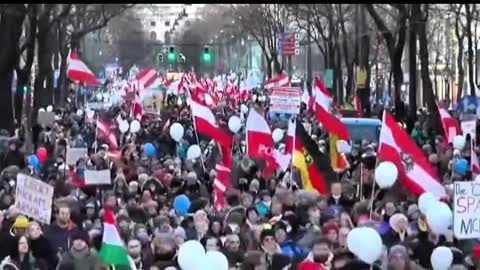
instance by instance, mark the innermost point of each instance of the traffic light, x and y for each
(160, 57)
(207, 56)
(181, 58)
(26, 89)
(171, 56)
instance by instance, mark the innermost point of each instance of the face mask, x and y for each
(11, 183)
(320, 258)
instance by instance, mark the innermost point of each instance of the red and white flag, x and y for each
(280, 80)
(414, 170)
(207, 125)
(260, 142)
(148, 78)
(323, 102)
(475, 165)
(78, 71)
(451, 128)
(106, 131)
(220, 185)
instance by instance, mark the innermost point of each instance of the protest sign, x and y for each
(46, 118)
(34, 198)
(285, 100)
(469, 127)
(97, 177)
(152, 104)
(466, 210)
(74, 154)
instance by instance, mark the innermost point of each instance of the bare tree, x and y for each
(395, 41)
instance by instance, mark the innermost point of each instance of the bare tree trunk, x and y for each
(461, 72)
(12, 17)
(422, 19)
(412, 58)
(468, 29)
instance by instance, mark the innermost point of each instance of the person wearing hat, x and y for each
(79, 253)
(273, 257)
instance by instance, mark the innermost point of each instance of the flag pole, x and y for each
(196, 136)
(293, 151)
(96, 135)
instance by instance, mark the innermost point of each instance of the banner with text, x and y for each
(74, 154)
(97, 177)
(285, 100)
(34, 198)
(466, 210)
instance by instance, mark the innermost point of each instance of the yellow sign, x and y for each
(174, 76)
(362, 78)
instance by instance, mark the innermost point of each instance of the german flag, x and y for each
(314, 166)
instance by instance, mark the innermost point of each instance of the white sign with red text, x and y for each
(285, 100)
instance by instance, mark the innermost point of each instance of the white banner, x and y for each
(74, 154)
(466, 213)
(469, 127)
(33, 198)
(97, 177)
(46, 118)
(285, 100)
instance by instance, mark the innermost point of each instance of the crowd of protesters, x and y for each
(265, 223)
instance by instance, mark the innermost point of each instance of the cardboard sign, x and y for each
(97, 177)
(46, 118)
(285, 100)
(469, 127)
(466, 210)
(34, 198)
(74, 154)
(153, 104)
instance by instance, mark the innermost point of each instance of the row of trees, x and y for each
(379, 37)
(37, 39)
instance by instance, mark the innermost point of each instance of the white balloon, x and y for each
(243, 108)
(176, 131)
(343, 147)
(216, 260)
(123, 126)
(49, 108)
(90, 113)
(426, 201)
(254, 97)
(386, 174)
(459, 142)
(440, 218)
(193, 152)
(234, 124)
(441, 258)
(354, 240)
(79, 112)
(99, 96)
(262, 98)
(372, 245)
(277, 135)
(41, 110)
(179, 102)
(135, 126)
(190, 254)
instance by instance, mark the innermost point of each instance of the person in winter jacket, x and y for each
(20, 257)
(39, 245)
(398, 259)
(58, 233)
(13, 156)
(80, 254)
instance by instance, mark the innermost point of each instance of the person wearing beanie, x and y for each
(79, 253)
(398, 258)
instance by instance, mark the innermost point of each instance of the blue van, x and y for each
(363, 129)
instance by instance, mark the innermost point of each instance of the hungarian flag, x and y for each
(314, 166)
(414, 170)
(260, 142)
(79, 72)
(113, 251)
(450, 125)
(220, 185)
(280, 80)
(148, 78)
